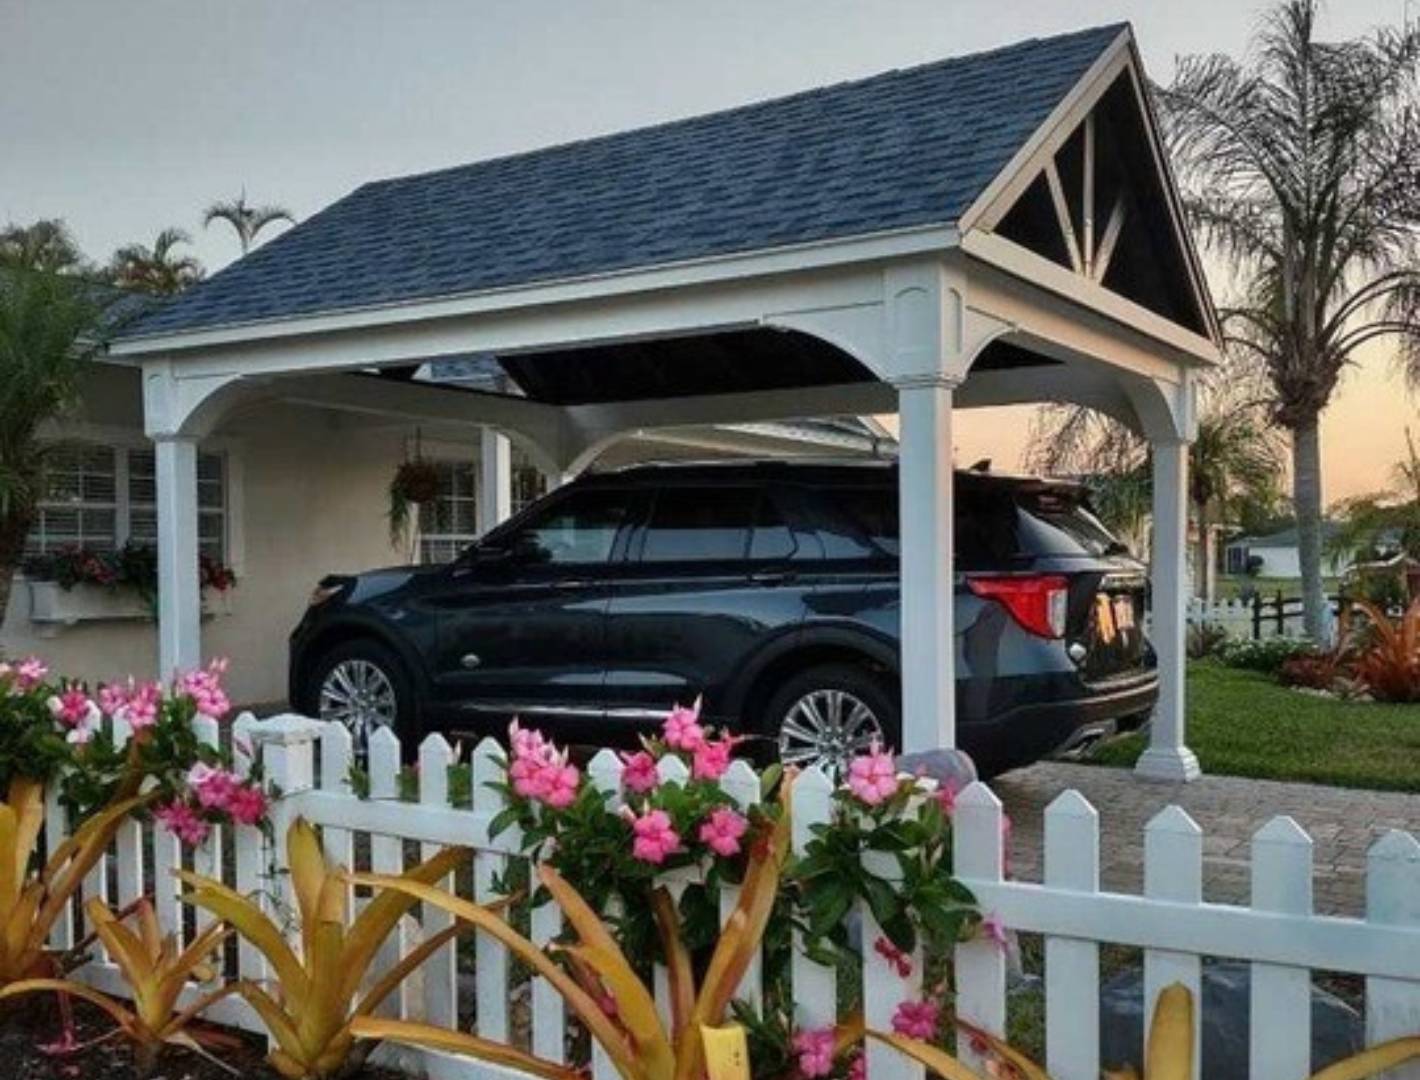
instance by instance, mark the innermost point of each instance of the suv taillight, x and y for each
(1037, 601)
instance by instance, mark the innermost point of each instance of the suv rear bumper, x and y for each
(1029, 732)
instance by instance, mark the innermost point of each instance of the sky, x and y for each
(125, 118)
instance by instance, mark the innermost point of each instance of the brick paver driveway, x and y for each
(1342, 823)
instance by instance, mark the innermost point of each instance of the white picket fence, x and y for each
(1279, 934)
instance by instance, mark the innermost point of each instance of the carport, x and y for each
(986, 230)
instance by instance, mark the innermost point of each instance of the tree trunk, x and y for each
(1306, 497)
(14, 529)
(1200, 552)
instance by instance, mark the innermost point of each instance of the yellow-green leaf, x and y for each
(457, 1042)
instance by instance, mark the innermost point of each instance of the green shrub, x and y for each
(1266, 656)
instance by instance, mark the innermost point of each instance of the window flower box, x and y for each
(54, 608)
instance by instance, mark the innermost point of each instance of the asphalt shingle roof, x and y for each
(906, 148)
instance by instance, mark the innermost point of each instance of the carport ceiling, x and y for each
(734, 361)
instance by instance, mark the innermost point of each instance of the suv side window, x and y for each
(697, 524)
(581, 528)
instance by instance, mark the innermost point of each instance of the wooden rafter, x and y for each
(1108, 240)
(1088, 195)
(1062, 212)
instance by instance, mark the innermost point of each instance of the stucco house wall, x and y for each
(306, 496)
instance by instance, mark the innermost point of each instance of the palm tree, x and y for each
(48, 333)
(45, 245)
(246, 220)
(1370, 523)
(159, 270)
(1302, 169)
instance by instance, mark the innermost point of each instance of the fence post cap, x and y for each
(288, 729)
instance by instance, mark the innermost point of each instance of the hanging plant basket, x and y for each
(415, 482)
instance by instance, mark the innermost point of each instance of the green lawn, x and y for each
(1241, 723)
(1232, 586)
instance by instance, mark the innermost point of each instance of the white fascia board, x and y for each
(789, 259)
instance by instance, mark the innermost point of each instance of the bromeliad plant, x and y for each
(156, 972)
(318, 994)
(1389, 661)
(601, 985)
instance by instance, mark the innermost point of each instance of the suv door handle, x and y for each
(568, 584)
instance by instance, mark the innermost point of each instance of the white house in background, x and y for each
(1277, 551)
(289, 492)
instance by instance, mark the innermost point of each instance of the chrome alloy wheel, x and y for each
(827, 728)
(358, 694)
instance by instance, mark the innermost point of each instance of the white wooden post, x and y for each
(980, 963)
(1393, 899)
(128, 845)
(495, 481)
(287, 746)
(490, 955)
(1280, 1046)
(926, 568)
(440, 988)
(604, 771)
(179, 587)
(884, 989)
(387, 857)
(1072, 966)
(815, 985)
(1173, 870)
(1167, 757)
(337, 751)
(56, 831)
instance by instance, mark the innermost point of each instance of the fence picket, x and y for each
(1072, 966)
(489, 868)
(742, 784)
(815, 985)
(56, 829)
(1280, 1025)
(1173, 870)
(337, 752)
(671, 771)
(1393, 899)
(980, 964)
(387, 857)
(440, 988)
(884, 987)
(549, 1012)
(207, 857)
(128, 845)
(604, 771)
(251, 850)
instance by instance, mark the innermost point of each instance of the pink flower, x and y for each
(75, 712)
(213, 787)
(180, 819)
(712, 758)
(559, 782)
(722, 830)
(29, 673)
(141, 709)
(655, 839)
(814, 1046)
(894, 956)
(638, 772)
(114, 696)
(916, 1019)
(204, 687)
(947, 797)
(994, 930)
(682, 730)
(528, 744)
(246, 805)
(873, 776)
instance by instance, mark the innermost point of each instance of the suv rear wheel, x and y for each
(828, 715)
(362, 685)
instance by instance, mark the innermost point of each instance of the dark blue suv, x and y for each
(769, 588)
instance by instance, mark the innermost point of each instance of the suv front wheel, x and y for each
(830, 714)
(362, 685)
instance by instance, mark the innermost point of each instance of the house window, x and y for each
(101, 497)
(449, 523)
(529, 484)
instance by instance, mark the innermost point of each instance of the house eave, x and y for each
(820, 254)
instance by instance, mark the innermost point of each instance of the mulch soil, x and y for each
(28, 1032)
